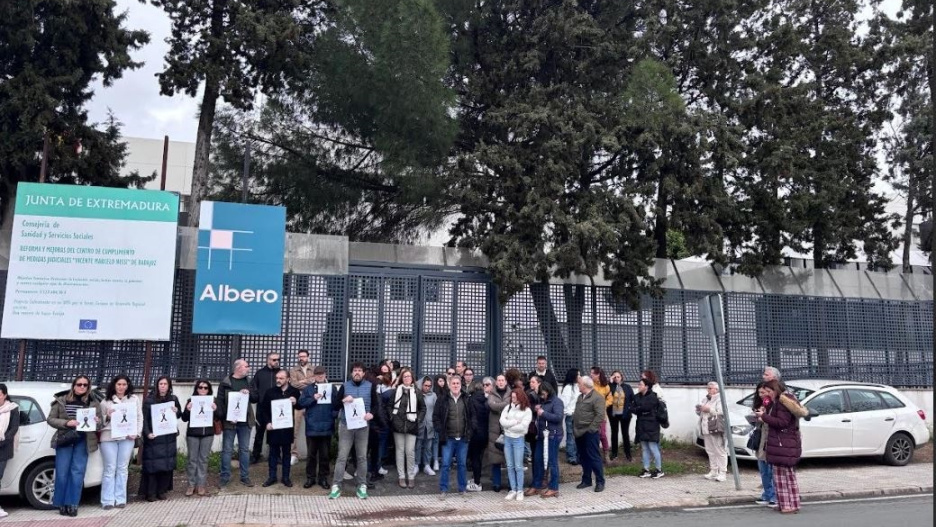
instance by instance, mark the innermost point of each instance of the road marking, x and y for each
(821, 502)
(588, 516)
(500, 522)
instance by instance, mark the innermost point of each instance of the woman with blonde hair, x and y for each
(406, 414)
(72, 447)
(712, 423)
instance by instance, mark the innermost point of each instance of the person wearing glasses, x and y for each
(116, 451)
(199, 440)
(71, 447)
(319, 427)
(468, 380)
(262, 381)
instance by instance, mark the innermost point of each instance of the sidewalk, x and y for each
(620, 493)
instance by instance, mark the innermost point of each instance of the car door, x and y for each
(872, 421)
(32, 429)
(830, 432)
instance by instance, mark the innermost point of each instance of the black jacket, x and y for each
(159, 453)
(282, 436)
(263, 380)
(548, 378)
(440, 416)
(221, 403)
(6, 442)
(479, 407)
(645, 408)
(196, 431)
(399, 424)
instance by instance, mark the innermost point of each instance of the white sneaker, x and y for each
(526, 468)
(519, 496)
(3, 513)
(720, 477)
(428, 470)
(710, 475)
(473, 487)
(294, 460)
(383, 471)
(511, 495)
(435, 466)
(347, 476)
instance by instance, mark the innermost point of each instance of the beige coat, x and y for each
(58, 418)
(496, 405)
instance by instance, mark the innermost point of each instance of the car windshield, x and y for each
(801, 393)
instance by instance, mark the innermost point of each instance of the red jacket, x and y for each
(784, 445)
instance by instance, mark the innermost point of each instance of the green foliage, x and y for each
(353, 148)
(50, 53)
(676, 245)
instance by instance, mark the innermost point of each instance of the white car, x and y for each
(846, 419)
(31, 471)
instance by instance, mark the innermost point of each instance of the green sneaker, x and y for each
(362, 492)
(335, 492)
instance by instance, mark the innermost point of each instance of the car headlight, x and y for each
(741, 430)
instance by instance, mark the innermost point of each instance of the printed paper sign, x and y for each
(239, 271)
(164, 419)
(354, 414)
(282, 414)
(85, 418)
(237, 407)
(326, 390)
(124, 420)
(90, 263)
(201, 414)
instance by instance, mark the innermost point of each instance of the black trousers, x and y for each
(319, 448)
(475, 455)
(258, 443)
(279, 458)
(620, 423)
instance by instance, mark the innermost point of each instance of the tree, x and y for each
(50, 52)
(233, 50)
(539, 171)
(817, 106)
(353, 149)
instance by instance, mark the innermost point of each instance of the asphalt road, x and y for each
(916, 511)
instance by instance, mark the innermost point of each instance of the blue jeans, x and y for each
(646, 448)
(242, 432)
(766, 477)
(458, 447)
(279, 455)
(427, 448)
(496, 475)
(571, 451)
(70, 464)
(116, 458)
(538, 465)
(513, 451)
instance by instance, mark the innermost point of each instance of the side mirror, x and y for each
(812, 413)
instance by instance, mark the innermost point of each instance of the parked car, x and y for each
(846, 419)
(31, 472)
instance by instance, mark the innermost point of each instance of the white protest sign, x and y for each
(124, 420)
(201, 414)
(354, 414)
(281, 414)
(164, 419)
(85, 418)
(237, 407)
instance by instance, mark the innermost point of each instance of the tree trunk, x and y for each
(908, 226)
(657, 331)
(556, 350)
(575, 308)
(202, 149)
(931, 67)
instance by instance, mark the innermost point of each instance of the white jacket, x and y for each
(515, 421)
(569, 397)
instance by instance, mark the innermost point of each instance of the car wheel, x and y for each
(899, 450)
(40, 485)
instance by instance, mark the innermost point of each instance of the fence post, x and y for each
(495, 326)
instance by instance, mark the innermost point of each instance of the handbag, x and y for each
(218, 427)
(499, 442)
(716, 424)
(753, 442)
(69, 438)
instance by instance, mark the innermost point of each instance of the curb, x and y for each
(831, 495)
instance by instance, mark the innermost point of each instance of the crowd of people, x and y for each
(511, 421)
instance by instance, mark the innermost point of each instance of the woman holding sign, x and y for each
(123, 423)
(199, 414)
(71, 445)
(159, 440)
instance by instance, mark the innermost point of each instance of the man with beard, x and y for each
(356, 388)
(279, 439)
(300, 376)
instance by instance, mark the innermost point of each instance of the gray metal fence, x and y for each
(429, 318)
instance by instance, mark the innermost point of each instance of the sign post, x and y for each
(712, 319)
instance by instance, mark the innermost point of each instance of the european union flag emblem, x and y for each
(87, 324)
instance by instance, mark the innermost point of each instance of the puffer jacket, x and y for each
(784, 444)
(319, 418)
(399, 424)
(645, 408)
(551, 420)
(479, 405)
(495, 406)
(159, 453)
(58, 417)
(515, 421)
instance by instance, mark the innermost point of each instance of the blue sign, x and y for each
(239, 277)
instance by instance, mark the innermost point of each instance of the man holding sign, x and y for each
(275, 414)
(354, 394)
(238, 382)
(316, 400)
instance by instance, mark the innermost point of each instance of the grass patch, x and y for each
(633, 469)
(214, 461)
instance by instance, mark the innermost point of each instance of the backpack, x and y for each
(662, 414)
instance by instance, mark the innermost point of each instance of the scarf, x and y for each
(401, 392)
(8, 406)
